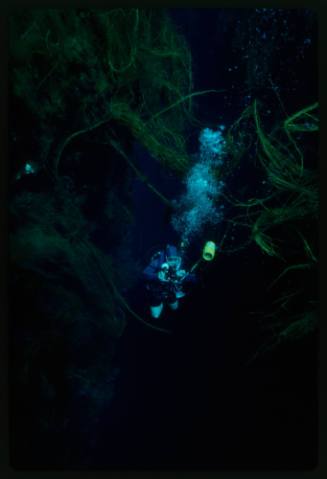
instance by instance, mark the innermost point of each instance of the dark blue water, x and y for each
(151, 227)
(189, 399)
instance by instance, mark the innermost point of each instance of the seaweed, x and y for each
(79, 76)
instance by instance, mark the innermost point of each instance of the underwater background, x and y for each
(130, 129)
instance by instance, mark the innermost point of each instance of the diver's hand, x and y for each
(163, 275)
(180, 274)
(179, 277)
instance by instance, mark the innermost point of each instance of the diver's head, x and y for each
(173, 257)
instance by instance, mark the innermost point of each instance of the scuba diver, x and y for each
(165, 277)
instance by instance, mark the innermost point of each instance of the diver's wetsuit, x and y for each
(163, 291)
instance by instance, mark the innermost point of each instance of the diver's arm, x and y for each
(150, 273)
(184, 276)
(154, 272)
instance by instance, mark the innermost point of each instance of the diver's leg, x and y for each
(180, 294)
(156, 310)
(155, 301)
(174, 305)
(172, 300)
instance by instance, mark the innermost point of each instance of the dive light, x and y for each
(208, 254)
(209, 251)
